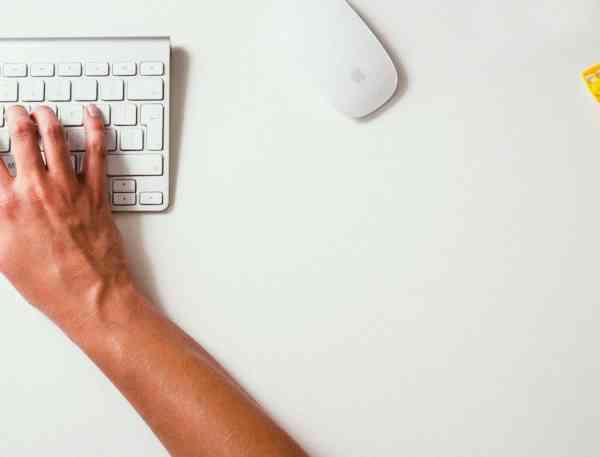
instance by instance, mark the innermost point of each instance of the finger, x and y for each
(24, 135)
(95, 156)
(58, 157)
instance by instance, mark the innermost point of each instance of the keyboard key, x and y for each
(112, 89)
(71, 115)
(32, 90)
(58, 90)
(151, 198)
(105, 108)
(152, 117)
(134, 165)
(85, 90)
(123, 199)
(4, 140)
(110, 139)
(131, 139)
(76, 139)
(10, 163)
(52, 106)
(42, 69)
(69, 69)
(9, 91)
(124, 114)
(96, 69)
(124, 69)
(145, 89)
(15, 70)
(123, 185)
(152, 69)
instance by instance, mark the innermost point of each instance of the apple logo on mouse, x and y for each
(358, 76)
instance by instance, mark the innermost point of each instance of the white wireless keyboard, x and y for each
(127, 78)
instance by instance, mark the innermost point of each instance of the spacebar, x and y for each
(134, 165)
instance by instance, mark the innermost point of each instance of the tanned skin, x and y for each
(61, 249)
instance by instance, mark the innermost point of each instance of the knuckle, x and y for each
(34, 188)
(95, 145)
(24, 128)
(53, 131)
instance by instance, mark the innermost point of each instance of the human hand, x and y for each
(59, 245)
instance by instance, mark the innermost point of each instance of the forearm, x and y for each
(189, 401)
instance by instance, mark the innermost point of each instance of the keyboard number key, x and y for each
(15, 70)
(69, 69)
(124, 69)
(152, 68)
(96, 69)
(42, 69)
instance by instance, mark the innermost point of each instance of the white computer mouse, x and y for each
(344, 56)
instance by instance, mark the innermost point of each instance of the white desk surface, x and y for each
(423, 284)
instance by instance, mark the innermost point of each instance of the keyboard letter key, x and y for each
(132, 139)
(105, 108)
(9, 91)
(111, 89)
(76, 139)
(10, 163)
(124, 114)
(85, 90)
(145, 89)
(58, 90)
(71, 115)
(32, 90)
(134, 165)
(4, 140)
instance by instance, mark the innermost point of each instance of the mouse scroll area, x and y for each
(344, 57)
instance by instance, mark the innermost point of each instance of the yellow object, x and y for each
(591, 76)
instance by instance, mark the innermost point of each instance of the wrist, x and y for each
(109, 304)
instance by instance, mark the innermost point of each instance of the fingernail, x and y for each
(93, 111)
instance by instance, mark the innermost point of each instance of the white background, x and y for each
(423, 284)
